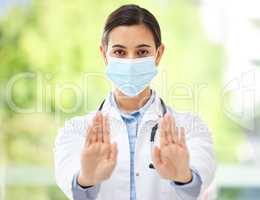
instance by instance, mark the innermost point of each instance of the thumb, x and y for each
(156, 156)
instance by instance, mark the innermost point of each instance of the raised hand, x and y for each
(99, 156)
(171, 160)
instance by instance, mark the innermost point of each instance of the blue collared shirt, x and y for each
(187, 191)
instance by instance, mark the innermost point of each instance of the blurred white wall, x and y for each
(236, 25)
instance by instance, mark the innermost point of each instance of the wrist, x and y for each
(185, 178)
(84, 182)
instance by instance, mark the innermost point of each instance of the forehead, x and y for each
(131, 36)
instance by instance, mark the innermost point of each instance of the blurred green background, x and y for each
(54, 46)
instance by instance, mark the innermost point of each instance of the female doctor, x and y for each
(133, 147)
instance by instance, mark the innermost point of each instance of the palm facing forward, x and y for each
(172, 158)
(98, 157)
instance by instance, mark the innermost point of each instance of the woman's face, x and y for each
(134, 41)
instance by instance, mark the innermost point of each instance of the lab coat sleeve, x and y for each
(202, 157)
(80, 193)
(190, 190)
(67, 149)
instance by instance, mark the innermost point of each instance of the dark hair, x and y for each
(132, 14)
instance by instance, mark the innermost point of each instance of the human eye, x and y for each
(119, 52)
(142, 52)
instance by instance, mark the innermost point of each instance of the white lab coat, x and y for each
(149, 185)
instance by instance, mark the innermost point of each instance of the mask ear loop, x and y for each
(154, 129)
(156, 54)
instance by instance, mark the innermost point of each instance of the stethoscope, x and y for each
(154, 128)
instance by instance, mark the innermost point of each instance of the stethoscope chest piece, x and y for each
(151, 166)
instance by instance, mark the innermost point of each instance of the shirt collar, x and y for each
(134, 114)
(153, 112)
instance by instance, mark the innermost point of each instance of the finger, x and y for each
(90, 134)
(113, 152)
(88, 137)
(173, 129)
(156, 156)
(178, 135)
(94, 137)
(99, 127)
(169, 134)
(179, 132)
(106, 136)
(163, 140)
(182, 138)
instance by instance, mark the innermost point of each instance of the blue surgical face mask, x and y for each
(131, 76)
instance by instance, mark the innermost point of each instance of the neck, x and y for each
(130, 104)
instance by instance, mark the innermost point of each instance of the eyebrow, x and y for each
(142, 45)
(119, 45)
(123, 47)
